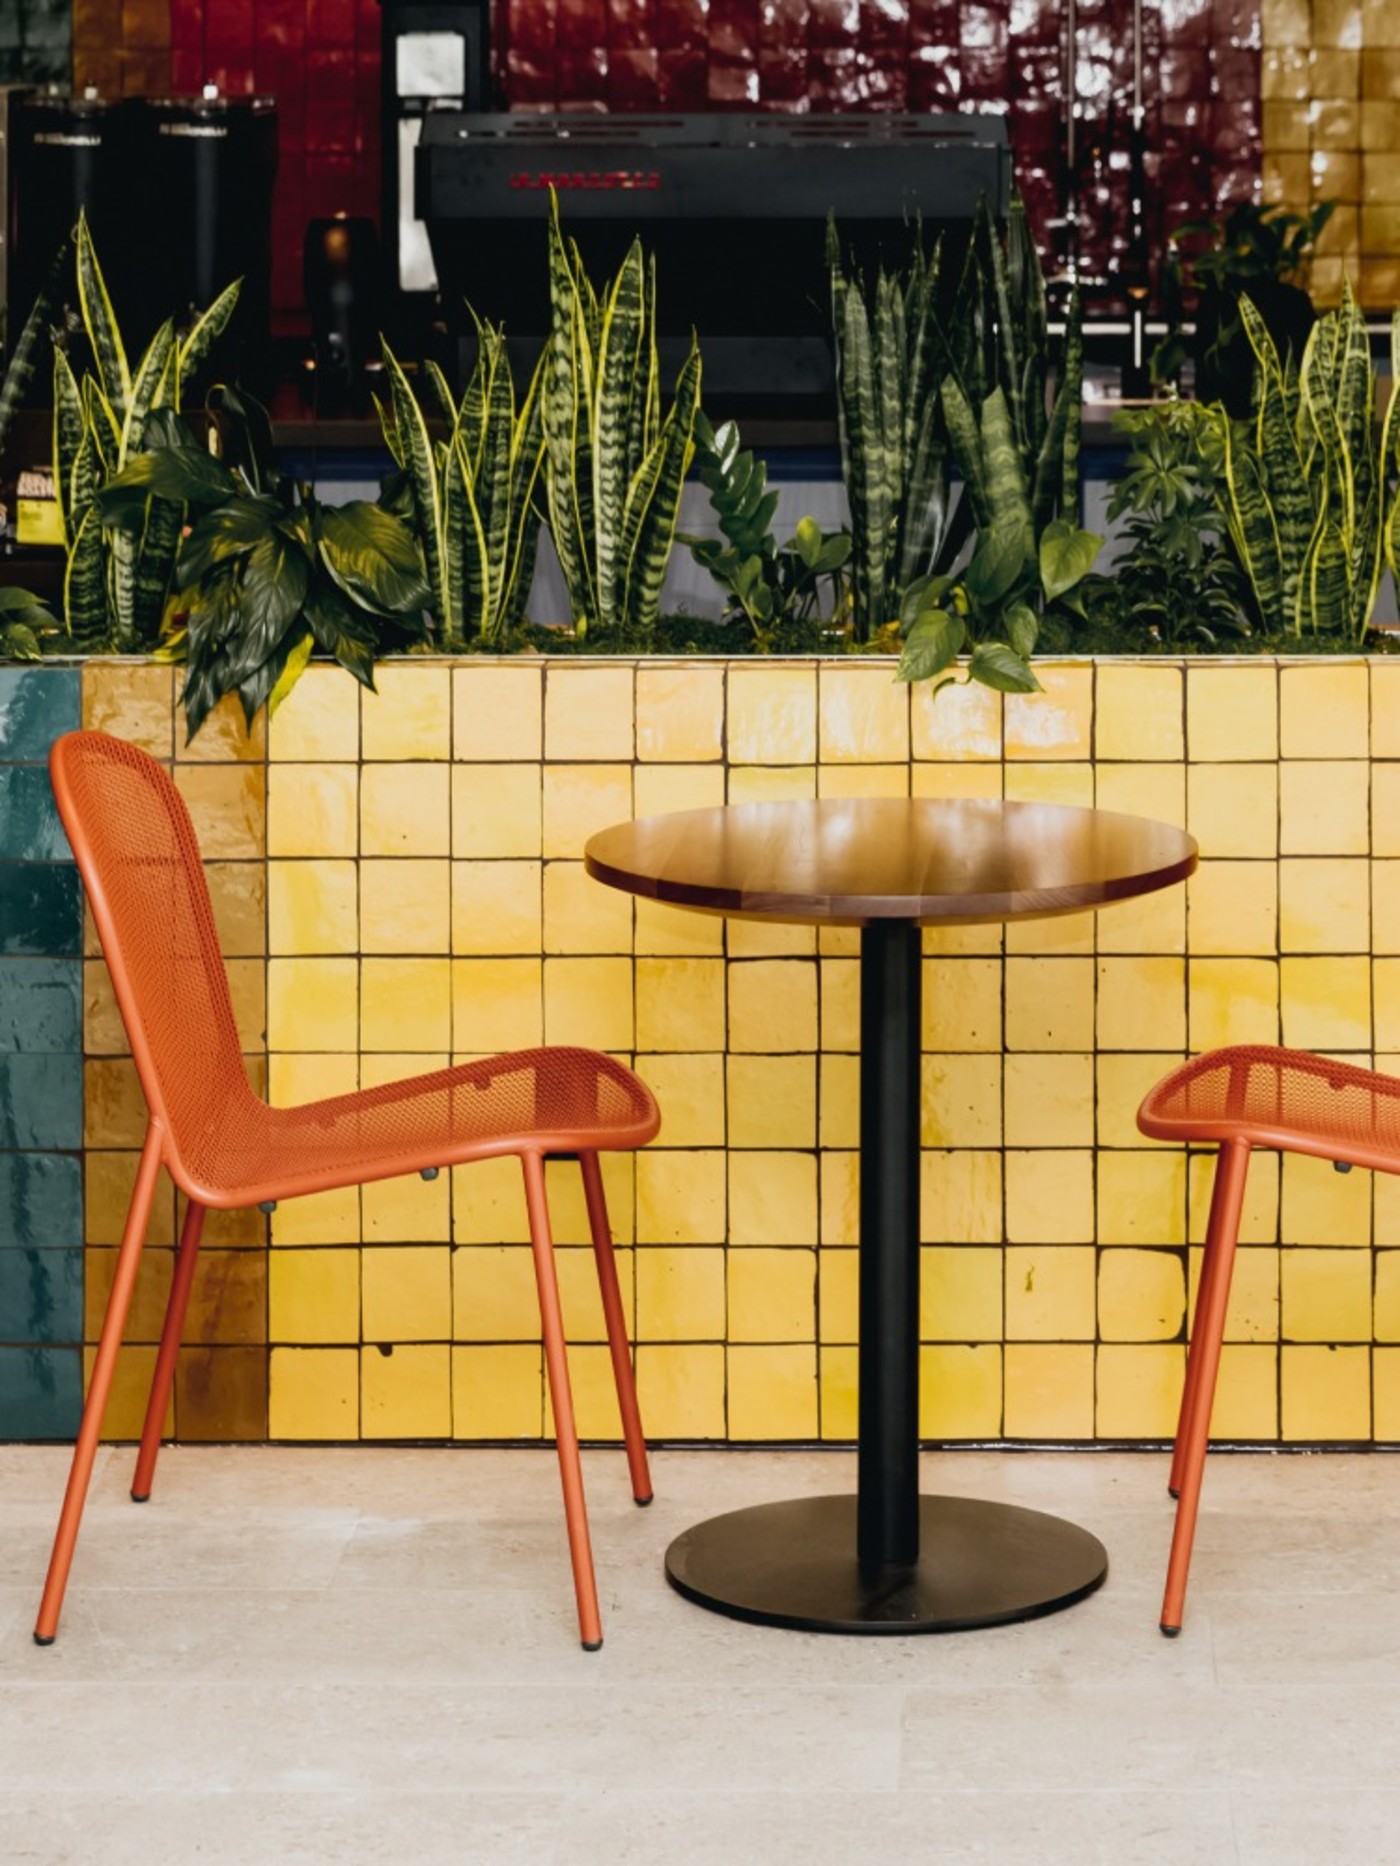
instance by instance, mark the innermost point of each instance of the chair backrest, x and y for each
(135, 847)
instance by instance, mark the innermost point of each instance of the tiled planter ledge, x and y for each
(398, 882)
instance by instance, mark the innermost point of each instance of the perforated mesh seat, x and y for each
(226, 1147)
(1249, 1097)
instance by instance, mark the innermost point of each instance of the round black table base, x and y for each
(794, 1564)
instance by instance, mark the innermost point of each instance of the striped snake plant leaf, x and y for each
(966, 437)
(887, 359)
(1253, 528)
(464, 572)
(156, 552)
(868, 484)
(1011, 371)
(1003, 475)
(100, 323)
(652, 510)
(101, 422)
(491, 489)
(24, 357)
(415, 442)
(146, 386)
(1390, 453)
(1055, 493)
(565, 416)
(1326, 581)
(208, 327)
(390, 430)
(69, 432)
(619, 351)
(442, 392)
(85, 583)
(641, 385)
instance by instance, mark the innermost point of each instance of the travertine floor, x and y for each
(370, 1655)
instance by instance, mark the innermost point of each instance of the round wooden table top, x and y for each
(849, 860)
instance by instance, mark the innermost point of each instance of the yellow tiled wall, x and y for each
(422, 899)
(1331, 92)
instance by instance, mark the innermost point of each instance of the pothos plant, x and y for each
(269, 575)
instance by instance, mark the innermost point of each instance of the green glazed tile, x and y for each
(41, 1101)
(41, 908)
(29, 827)
(41, 1200)
(37, 705)
(41, 1295)
(41, 1005)
(41, 1392)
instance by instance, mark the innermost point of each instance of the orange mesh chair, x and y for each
(225, 1147)
(1243, 1098)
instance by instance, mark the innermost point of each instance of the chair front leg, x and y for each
(618, 1344)
(1227, 1201)
(170, 1336)
(90, 1431)
(1211, 1259)
(561, 1397)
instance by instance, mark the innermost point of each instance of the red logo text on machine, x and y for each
(586, 178)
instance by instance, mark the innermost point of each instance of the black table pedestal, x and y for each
(887, 1560)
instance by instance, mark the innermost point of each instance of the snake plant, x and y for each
(1304, 486)
(472, 494)
(117, 578)
(613, 464)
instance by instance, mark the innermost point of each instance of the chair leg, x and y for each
(90, 1430)
(565, 1432)
(1205, 1296)
(1231, 1170)
(618, 1344)
(170, 1335)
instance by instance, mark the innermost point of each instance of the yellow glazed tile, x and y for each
(1142, 1198)
(313, 1004)
(763, 939)
(681, 1197)
(247, 980)
(961, 1101)
(1142, 1295)
(1326, 1295)
(772, 715)
(319, 719)
(1062, 936)
(313, 1393)
(1324, 710)
(497, 1004)
(1252, 1313)
(1231, 713)
(840, 1003)
(1232, 908)
(1139, 1390)
(488, 1204)
(497, 1392)
(494, 1296)
(1385, 708)
(1152, 790)
(1049, 1197)
(680, 1389)
(680, 1295)
(109, 1180)
(1324, 807)
(406, 1392)
(1055, 724)
(587, 712)
(1049, 1101)
(962, 1005)
(1123, 1081)
(1386, 1380)
(583, 916)
(839, 1372)
(1050, 783)
(238, 896)
(958, 724)
(311, 907)
(411, 714)
(134, 701)
(581, 799)
(383, 1066)
(405, 1004)
(1049, 1389)
(412, 1209)
(1150, 923)
(404, 810)
(581, 1298)
(772, 1101)
(772, 1393)
(1324, 906)
(773, 1005)
(588, 1002)
(1258, 1220)
(496, 908)
(1386, 1190)
(1233, 809)
(1387, 1296)
(1246, 1394)
(680, 713)
(1385, 907)
(690, 1093)
(225, 736)
(318, 1218)
(407, 1293)
(596, 1413)
(313, 1296)
(960, 1391)
(863, 716)
(1385, 809)
(961, 1196)
(296, 1078)
(680, 1004)
(660, 790)
(1326, 1393)
(955, 780)
(1322, 1206)
(313, 809)
(496, 810)
(1049, 1004)
(1326, 1003)
(104, 1034)
(772, 1198)
(862, 780)
(1138, 713)
(228, 806)
(405, 906)
(772, 1295)
(497, 713)
(1385, 977)
(1232, 1001)
(960, 1293)
(838, 1081)
(838, 1296)
(771, 783)
(1141, 1004)
(130, 1390)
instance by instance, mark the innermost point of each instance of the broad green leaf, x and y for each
(995, 665)
(18, 642)
(1067, 555)
(372, 556)
(999, 562)
(231, 531)
(297, 661)
(1022, 627)
(188, 474)
(933, 643)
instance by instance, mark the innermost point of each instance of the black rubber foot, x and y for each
(1175, 1495)
(1170, 1632)
(138, 1496)
(39, 1639)
(591, 1645)
(641, 1502)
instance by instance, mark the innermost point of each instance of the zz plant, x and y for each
(613, 464)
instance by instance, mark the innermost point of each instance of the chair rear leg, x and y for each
(561, 1397)
(90, 1430)
(170, 1334)
(1231, 1170)
(1210, 1272)
(618, 1344)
